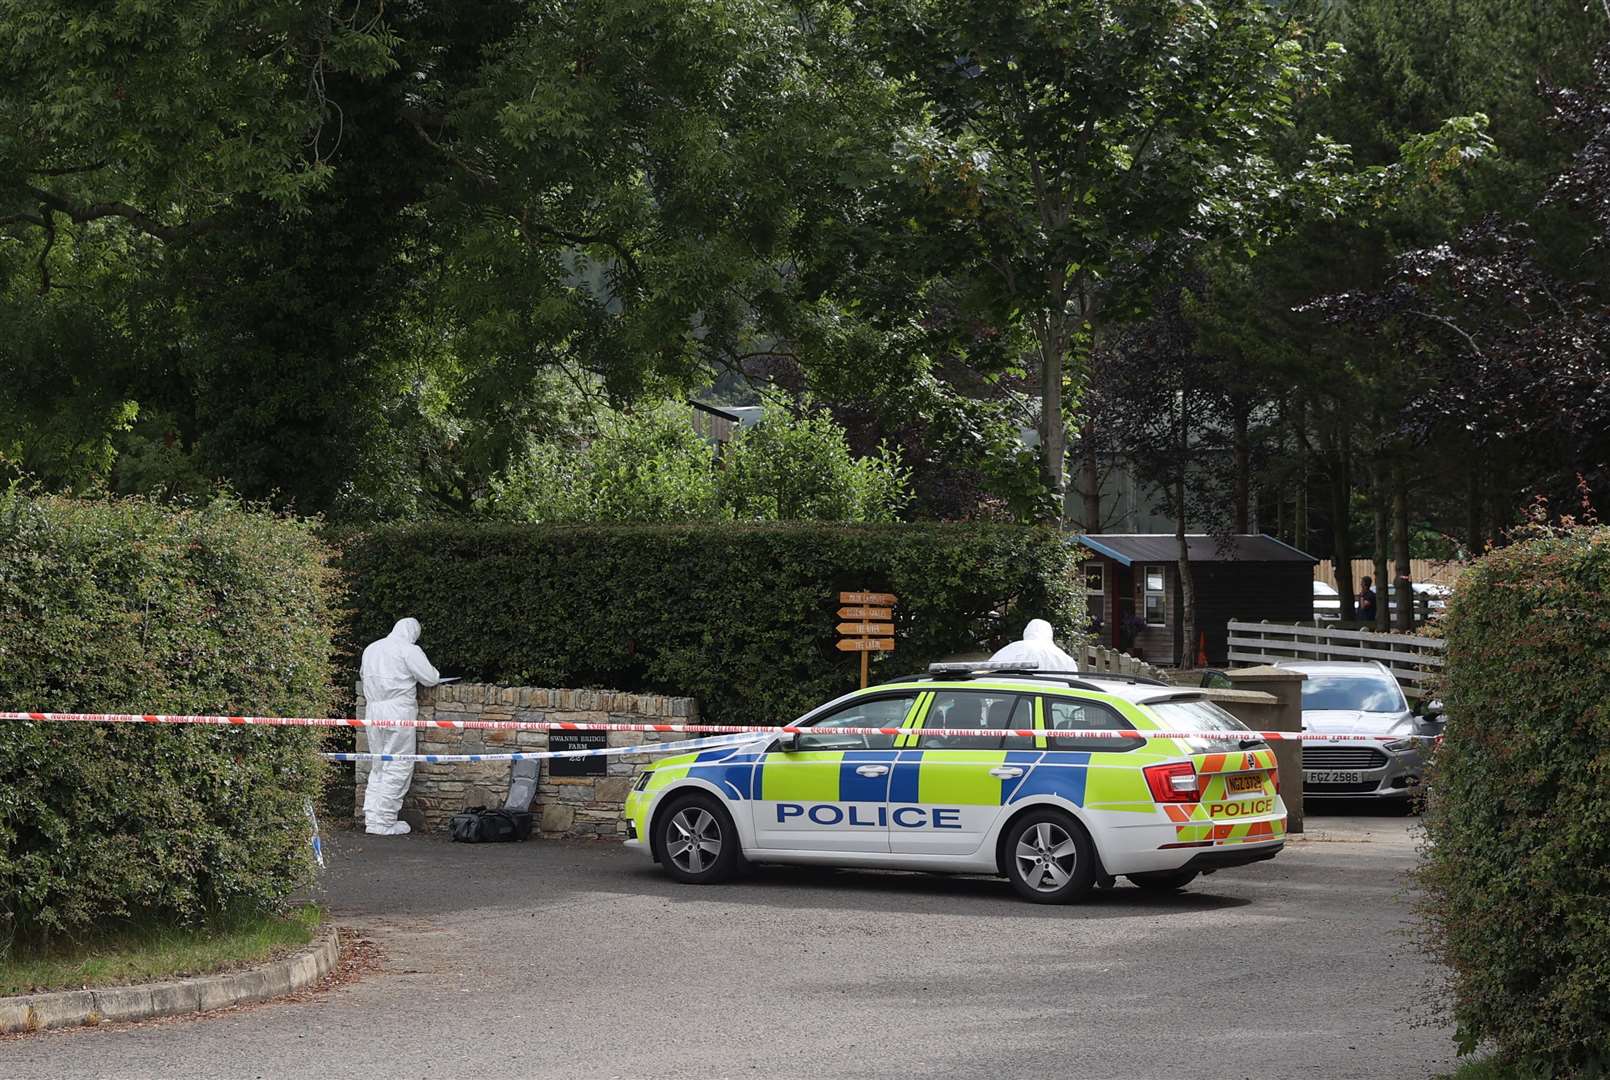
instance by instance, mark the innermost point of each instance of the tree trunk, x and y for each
(1185, 653)
(1053, 430)
(1475, 537)
(1090, 479)
(1299, 510)
(1341, 494)
(1185, 634)
(1403, 587)
(1501, 510)
(1382, 502)
(1241, 494)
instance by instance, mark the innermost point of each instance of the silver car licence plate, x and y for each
(1332, 776)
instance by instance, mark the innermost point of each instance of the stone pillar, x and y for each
(1287, 687)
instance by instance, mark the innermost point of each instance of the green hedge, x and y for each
(740, 616)
(1517, 878)
(125, 607)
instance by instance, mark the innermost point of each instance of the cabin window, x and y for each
(1156, 606)
(1095, 578)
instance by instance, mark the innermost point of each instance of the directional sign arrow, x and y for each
(867, 629)
(866, 613)
(866, 645)
(882, 599)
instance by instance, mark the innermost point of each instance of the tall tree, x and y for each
(1079, 151)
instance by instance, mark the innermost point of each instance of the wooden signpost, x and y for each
(870, 630)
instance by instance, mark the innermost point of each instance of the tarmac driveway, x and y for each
(541, 960)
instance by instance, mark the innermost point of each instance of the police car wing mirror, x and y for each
(788, 742)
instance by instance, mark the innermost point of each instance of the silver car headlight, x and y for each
(1403, 746)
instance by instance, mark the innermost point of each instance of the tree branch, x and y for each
(50, 201)
(1455, 327)
(71, 170)
(579, 239)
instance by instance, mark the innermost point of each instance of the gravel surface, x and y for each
(542, 960)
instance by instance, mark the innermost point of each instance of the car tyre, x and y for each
(1048, 858)
(697, 842)
(1163, 880)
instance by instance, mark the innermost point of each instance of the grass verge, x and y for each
(136, 954)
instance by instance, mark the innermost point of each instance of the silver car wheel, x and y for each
(1046, 856)
(694, 839)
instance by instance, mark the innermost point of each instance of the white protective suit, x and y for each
(1038, 649)
(392, 668)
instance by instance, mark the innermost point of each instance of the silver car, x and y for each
(1360, 698)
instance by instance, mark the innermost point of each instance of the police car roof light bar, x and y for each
(983, 669)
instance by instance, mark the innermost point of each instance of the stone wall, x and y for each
(582, 806)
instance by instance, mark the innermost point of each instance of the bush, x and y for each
(649, 466)
(124, 607)
(652, 467)
(802, 470)
(1517, 879)
(742, 617)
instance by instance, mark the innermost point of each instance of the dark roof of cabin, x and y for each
(1130, 548)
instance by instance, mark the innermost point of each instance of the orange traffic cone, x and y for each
(1201, 649)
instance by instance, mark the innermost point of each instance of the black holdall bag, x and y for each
(479, 825)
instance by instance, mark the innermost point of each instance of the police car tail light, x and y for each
(1173, 783)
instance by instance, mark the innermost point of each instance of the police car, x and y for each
(1055, 814)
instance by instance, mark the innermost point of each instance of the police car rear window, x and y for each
(1071, 714)
(1200, 715)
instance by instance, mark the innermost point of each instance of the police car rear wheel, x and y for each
(1049, 859)
(1163, 880)
(698, 844)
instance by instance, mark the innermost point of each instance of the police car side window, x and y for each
(1066, 714)
(970, 709)
(876, 712)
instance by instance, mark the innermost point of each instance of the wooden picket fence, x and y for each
(1102, 658)
(1416, 662)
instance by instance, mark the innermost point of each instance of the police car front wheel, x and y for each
(697, 842)
(1048, 857)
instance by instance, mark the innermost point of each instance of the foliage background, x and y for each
(652, 466)
(122, 605)
(1517, 876)
(740, 616)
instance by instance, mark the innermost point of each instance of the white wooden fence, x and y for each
(1415, 661)
(1101, 658)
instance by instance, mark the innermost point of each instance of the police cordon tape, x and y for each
(1218, 734)
(682, 747)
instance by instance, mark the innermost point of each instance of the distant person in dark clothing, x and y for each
(1366, 600)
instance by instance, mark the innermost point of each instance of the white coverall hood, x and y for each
(392, 668)
(1038, 648)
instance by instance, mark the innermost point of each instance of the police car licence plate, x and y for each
(1238, 785)
(1332, 776)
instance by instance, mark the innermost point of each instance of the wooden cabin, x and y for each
(1132, 586)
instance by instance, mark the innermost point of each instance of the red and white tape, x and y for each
(694, 729)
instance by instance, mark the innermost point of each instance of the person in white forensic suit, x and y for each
(392, 668)
(1037, 649)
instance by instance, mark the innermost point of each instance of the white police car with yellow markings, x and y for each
(1055, 814)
